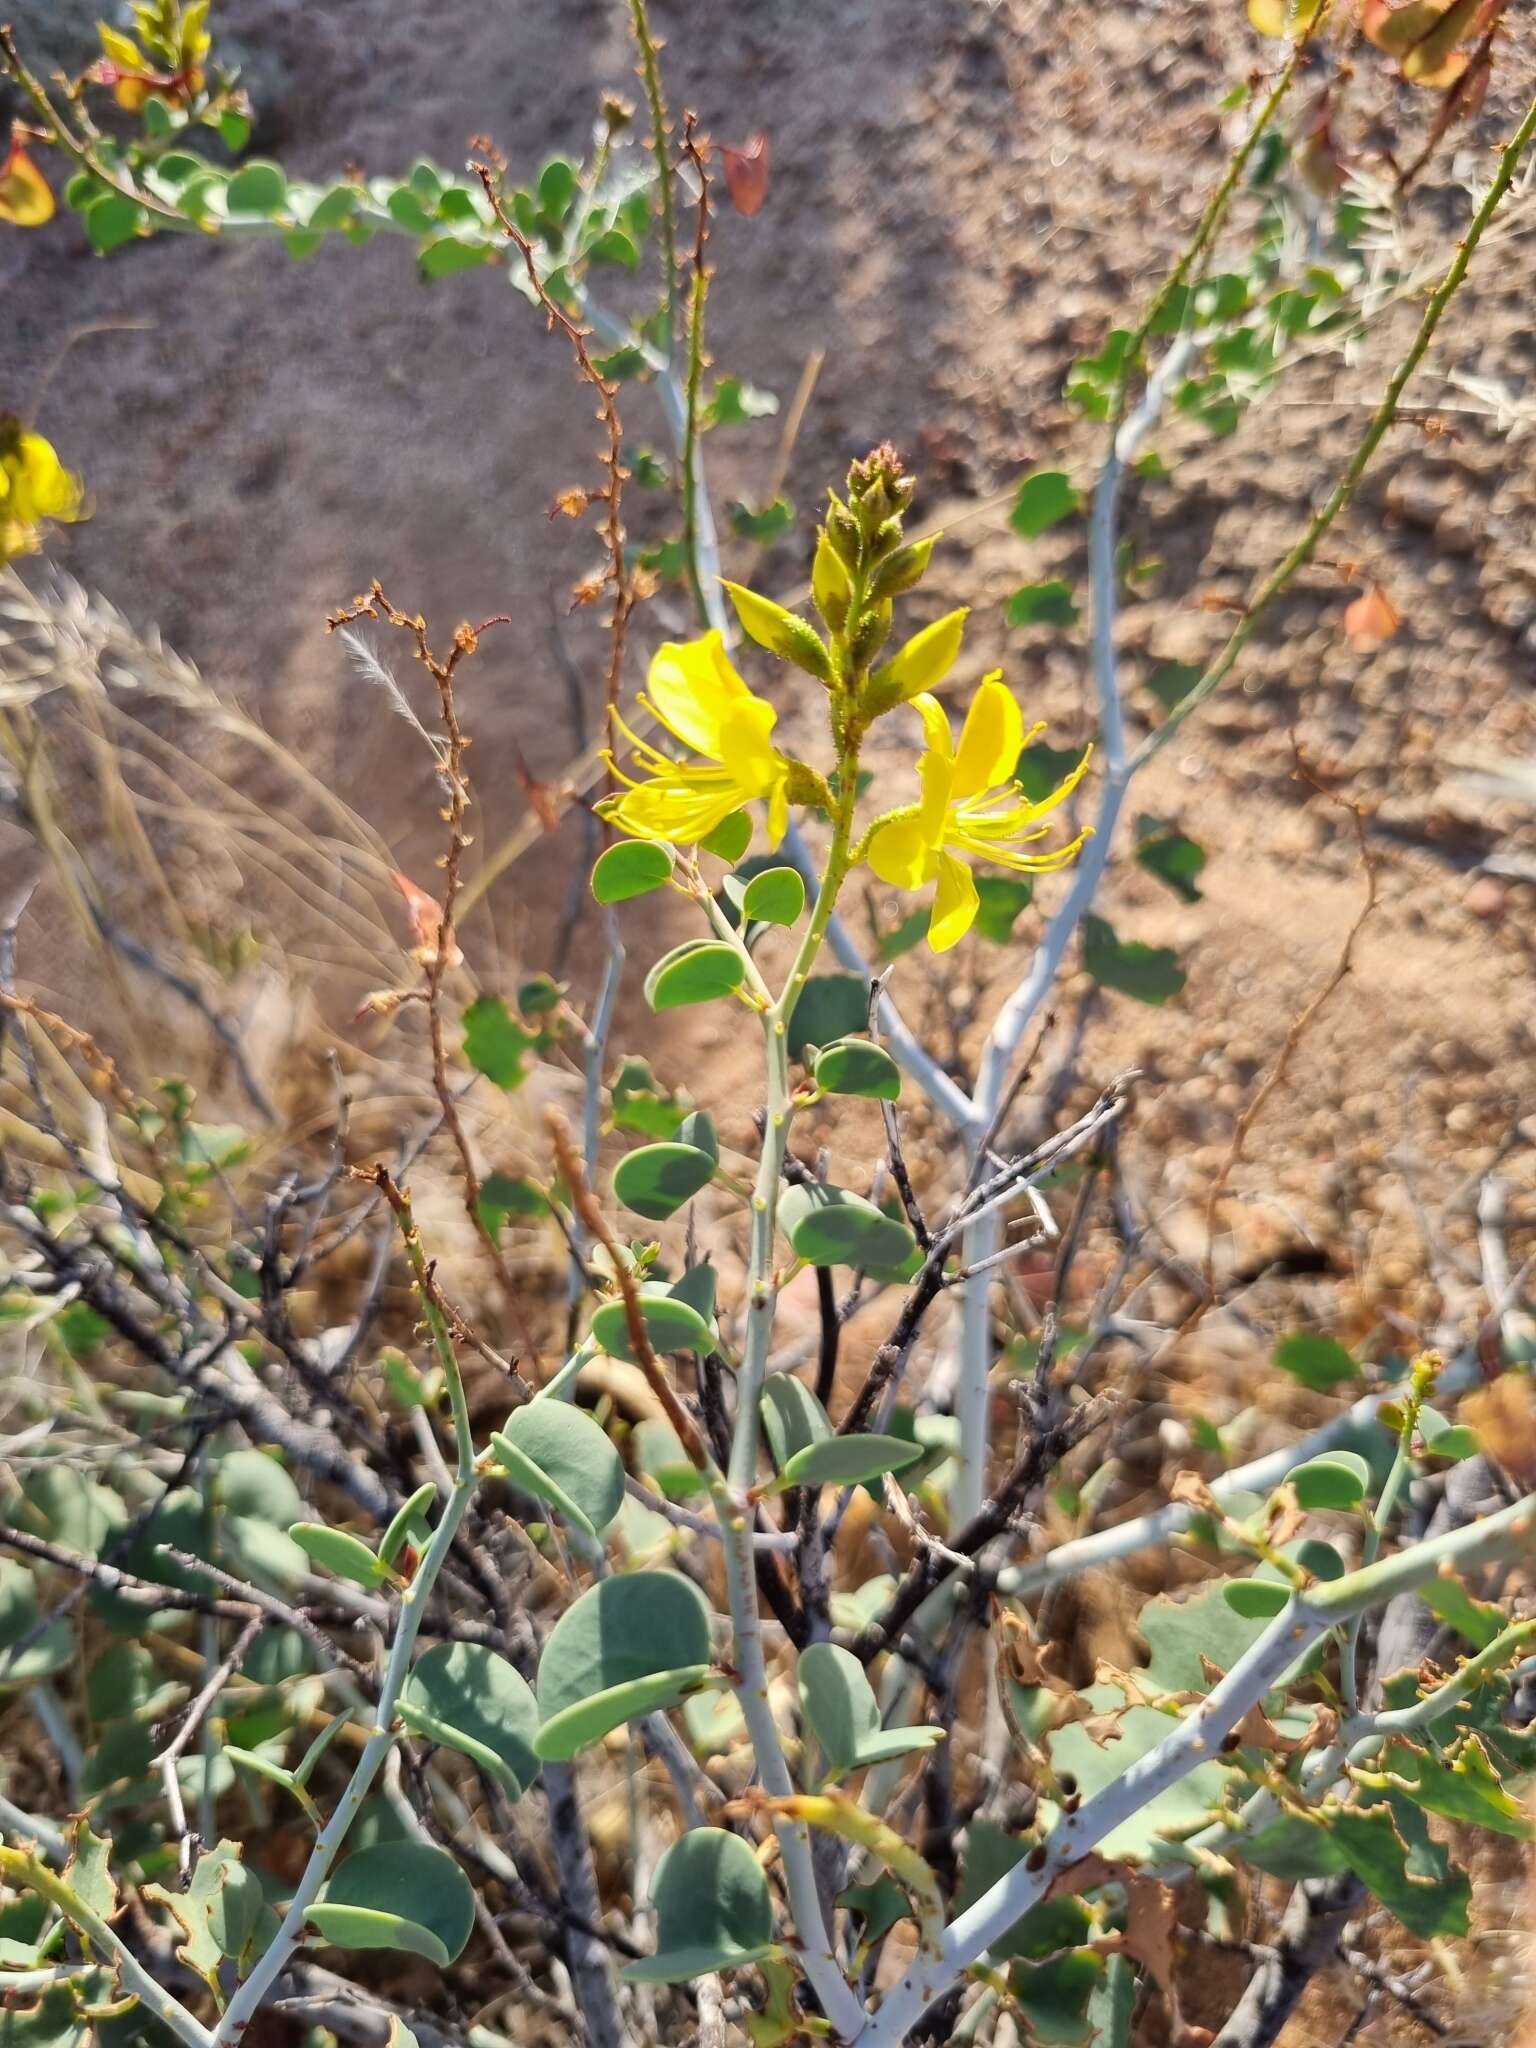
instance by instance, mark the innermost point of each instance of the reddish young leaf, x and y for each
(746, 174)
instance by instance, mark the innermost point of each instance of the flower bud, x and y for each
(869, 637)
(902, 570)
(843, 532)
(782, 632)
(831, 586)
(921, 664)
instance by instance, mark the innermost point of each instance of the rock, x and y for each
(1487, 897)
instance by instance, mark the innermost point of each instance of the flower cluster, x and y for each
(971, 806)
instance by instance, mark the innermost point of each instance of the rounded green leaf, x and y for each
(698, 972)
(670, 1324)
(792, 1417)
(45, 1652)
(776, 896)
(854, 1066)
(257, 187)
(348, 1557)
(698, 1129)
(628, 1646)
(849, 1460)
(403, 1895)
(1256, 1599)
(656, 1180)
(713, 1911)
(469, 1699)
(1341, 1479)
(570, 1459)
(828, 1226)
(634, 867)
(730, 838)
(841, 1710)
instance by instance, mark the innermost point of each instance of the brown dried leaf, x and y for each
(1371, 618)
(746, 174)
(426, 918)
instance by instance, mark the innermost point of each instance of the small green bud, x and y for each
(879, 487)
(902, 570)
(843, 532)
(887, 539)
(869, 636)
(782, 632)
(831, 585)
(804, 786)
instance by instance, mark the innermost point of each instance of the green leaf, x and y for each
(1041, 769)
(556, 188)
(1319, 1363)
(447, 256)
(698, 971)
(732, 403)
(1170, 855)
(840, 1706)
(1466, 1788)
(614, 246)
(1056, 1923)
(1002, 897)
(793, 1418)
(619, 366)
(774, 896)
(495, 1044)
(657, 1180)
(639, 1103)
(670, 1324)
(1476, 1620)
(1043, 604)
(713, 1911)
(344, 1555)
(771, 523)
(1371, 1845)
(1183, 1806)
(1151, 974)
(258, 187)
(557, 1452)
(627, 1647)
(849, 1460)
(854, 1066)
(113, 221)
(404, 1895)
(467, 1698)
(1256, 1599)
(44, 1654)
(830, 1006)
(1452, 1441)
(829, 1226)
(1183, 1634)
(909, 933)
(336, 208)
(218, 1912)
(234, 129)
(648, 471)
(1043, 499)
(503, 1195)
(1338, 1480)
(730, 838)
(631, 867)
(410, 1523)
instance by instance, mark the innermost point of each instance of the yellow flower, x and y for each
(971, 806)
(34, 486)
(26, 198)
(695, 693)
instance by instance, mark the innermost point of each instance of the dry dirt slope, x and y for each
(962, 199)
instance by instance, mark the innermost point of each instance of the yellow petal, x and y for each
(691, 686)
(54, 493)
(744, 747)
(26, 198)
(778, 813)
(935, 719)
(991, 740)
(899, 854)
(937, 772)
(683, 811)
(955, 904)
